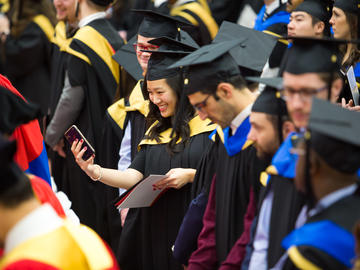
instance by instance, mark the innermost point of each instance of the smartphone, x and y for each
(74, 133)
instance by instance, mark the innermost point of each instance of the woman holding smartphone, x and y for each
(149, 233)
(345, 25)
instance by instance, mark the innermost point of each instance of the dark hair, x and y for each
(315, 20)
(17, 194)
(274, 120)
(237, 81)
(354, 56)
(184, 112)
(325, 76)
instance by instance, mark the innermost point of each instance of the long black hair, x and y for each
(184, 112)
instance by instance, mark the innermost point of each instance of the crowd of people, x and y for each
(247, 108)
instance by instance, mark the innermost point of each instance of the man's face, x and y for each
(143, 44)
(263, 134)
(65, 10)
(218, 111)
(301, 25)
(298, 93)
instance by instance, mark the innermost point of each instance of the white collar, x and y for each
(92, 17)
(181, 2)
(270, 8)
(237, 121)
(332, 198)
(40, 221)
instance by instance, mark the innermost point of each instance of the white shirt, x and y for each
(258, 259)
(39, 222)
(88, 19)
(270, 8)
(237, 121)
(125, 152)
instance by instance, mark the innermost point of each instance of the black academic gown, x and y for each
(149, 233)
(286, 206)
(235, 176)
(27, 61)
(59, 57)
(197, 13)
(131, 111)
(90, 65)
(327, 241)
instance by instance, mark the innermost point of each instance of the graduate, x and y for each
(345, 24)
(216, 88)
(310, 18)
(124, 123)
(91, 80)
(269, 125)
(326, 174)
(27, 49)
(149, 233)
(28, 227)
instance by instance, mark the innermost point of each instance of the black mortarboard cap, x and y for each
(274, 82)
(169, 52)
(156, 24)
(270, 102)
(126, 57)
(312, 55)
(208, 65)
(335, 134)
(10, 173)
(15, 111)
(103, 3)
(321, 9)
(255, 48)
(350, 6)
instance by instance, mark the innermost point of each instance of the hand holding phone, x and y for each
(74, 133)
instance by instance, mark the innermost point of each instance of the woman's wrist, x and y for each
(96, 174)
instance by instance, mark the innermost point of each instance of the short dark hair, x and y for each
(315, 20)
(20, 192)
(237, 81)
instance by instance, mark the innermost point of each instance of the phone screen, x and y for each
(74, 133)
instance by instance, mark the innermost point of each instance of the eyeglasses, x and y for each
(141, 47)
(200, 106)
(305, 95)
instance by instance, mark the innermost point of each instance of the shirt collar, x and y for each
(332, 198)
(270, 8)
(181, 2)
(237, 121)
(40, 221)
(92, 17)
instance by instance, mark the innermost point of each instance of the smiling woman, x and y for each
(150, 232)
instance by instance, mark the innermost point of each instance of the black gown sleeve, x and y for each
(139, 161)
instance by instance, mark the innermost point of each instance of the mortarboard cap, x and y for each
(208, 65)
(10, 173)
(321, 9)
(255, 48)
(335, 134)
(169, 52)
(126, 57)
(15, 111)
(102, 3)
(312, 55)
(350, 6)
(270, 102)
(157, 24)
(273, 82)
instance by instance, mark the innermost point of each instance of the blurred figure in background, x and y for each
(26, 48)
